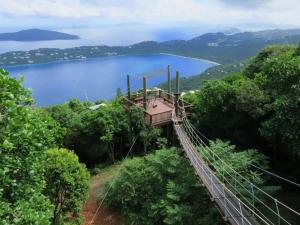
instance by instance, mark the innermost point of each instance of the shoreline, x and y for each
(105, 56)
(58, 61)
(189, 57)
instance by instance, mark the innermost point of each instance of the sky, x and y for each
(219, 14)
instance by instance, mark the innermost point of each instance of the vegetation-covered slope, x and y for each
(216, 72)
(162, 188)
(42, 183)
(257, 107)
(36, 35)
(218, 47)
(25, 135)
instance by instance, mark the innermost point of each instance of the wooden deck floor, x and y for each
(156, 106)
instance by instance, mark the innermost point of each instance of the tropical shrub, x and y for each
(25, 134)
(67, 183)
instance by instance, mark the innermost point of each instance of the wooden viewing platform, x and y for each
(157, 104)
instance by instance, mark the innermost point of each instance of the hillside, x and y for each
(36, 35)
(140, 174)
(194, 82)
(218, 47)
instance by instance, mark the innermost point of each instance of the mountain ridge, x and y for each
(36, 35)
(217, 47)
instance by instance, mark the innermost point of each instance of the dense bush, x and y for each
(104, 134)
(67, 183)
(29, 178)
(25, 134)
(162, 188)
(258, 107)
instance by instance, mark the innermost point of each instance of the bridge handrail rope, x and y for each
(255, 166)
(220, 191)
(223, 176)
(245, 179)
(193, 160)
(240, 211)
(275, 175)
(251, 208)
(276, 202)
(193, 134)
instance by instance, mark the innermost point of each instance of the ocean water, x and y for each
(106, 35)
(99, 78)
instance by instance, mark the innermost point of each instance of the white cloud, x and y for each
(213, 12)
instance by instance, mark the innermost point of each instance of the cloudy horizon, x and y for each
(62, 14)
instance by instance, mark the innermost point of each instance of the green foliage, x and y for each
(103, 134)
(257, 62)
(280, 77)
(95, 135)
(160, 188)
(239, 161)
(258, 107)
(67, 183)
(230, 108)
(215, 72)
(25, 133)
(35, 209)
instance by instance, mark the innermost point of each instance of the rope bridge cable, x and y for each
(256, 189)
(222, 195)
(257, 167)
(237, 191)
(110, 186)
(194, 137)
(224, 178)
(275, 175)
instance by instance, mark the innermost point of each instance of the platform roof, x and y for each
(158, 106)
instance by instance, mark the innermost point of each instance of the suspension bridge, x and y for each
(239, 200)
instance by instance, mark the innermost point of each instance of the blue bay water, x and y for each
(99, 78)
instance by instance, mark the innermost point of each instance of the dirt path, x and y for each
(105, 216)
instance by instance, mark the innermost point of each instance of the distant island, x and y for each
(218, 47)
(36, 35)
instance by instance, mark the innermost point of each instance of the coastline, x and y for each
(189, 57)
(58, 61)
(105, 56)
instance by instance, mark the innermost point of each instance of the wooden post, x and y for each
(129, 111)
(177, 92)
(169, 80)
(177, 82)
(145, 92)
(128, 87)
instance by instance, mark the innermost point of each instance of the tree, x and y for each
(67, 183)
(96, 136)
(114, 123)
(150, 136)
(241, 161)
(231, 108)
(280, 77)
(257, 62)
(25, 134)
(162, 188)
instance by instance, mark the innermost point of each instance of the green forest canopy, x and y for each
(25, 135)
(255, 108)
